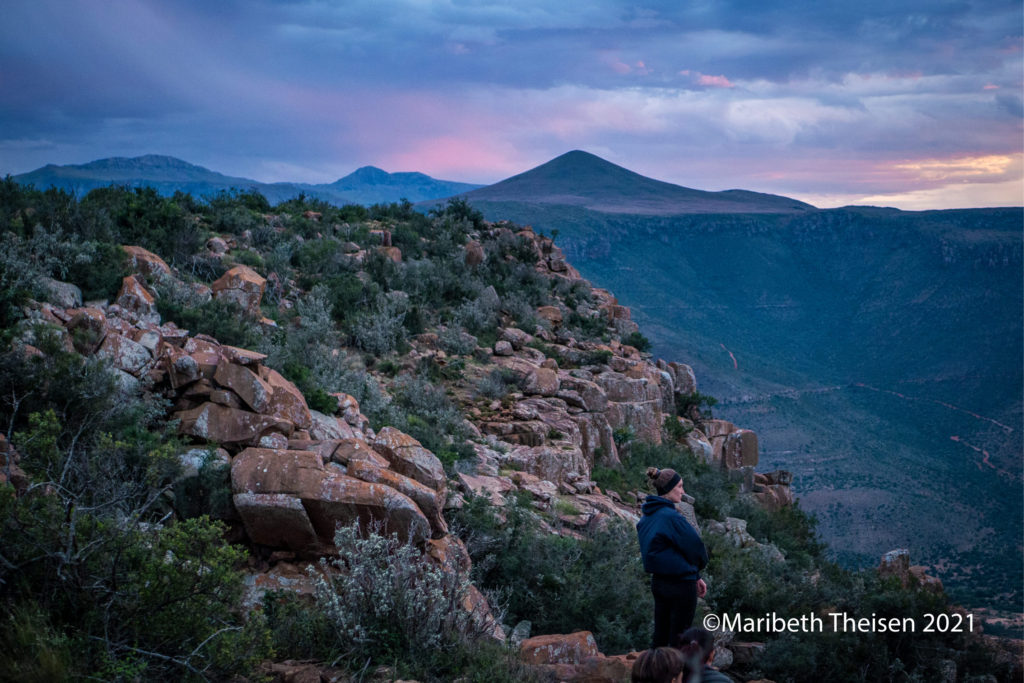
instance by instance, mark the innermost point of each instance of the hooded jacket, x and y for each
(669, 545)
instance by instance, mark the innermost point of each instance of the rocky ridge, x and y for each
(297, 473)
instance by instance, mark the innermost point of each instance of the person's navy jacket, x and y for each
(668, 543)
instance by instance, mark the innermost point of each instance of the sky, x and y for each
(915, 104)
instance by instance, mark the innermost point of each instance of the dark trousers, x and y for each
(675, 604)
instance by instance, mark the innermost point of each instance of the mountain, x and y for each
(367, 185)
(876, 352)
(582, 179)
(371, 185)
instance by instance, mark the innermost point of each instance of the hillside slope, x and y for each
(876, 352)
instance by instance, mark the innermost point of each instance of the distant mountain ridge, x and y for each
(581, 179)
(166, 174)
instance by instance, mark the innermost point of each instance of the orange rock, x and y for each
(407, 456)
(245, 357)
(392, 253)
(243, 286)
(740, 449)
(264, 470)
(125, 354)
(474, 253)
(448, 552)
(343, 499)
(430, 502)
(228, 425)
(93, 325)
(353, 450)
(287, 401)
(246, 383)
(146, 262)
(551, 314)
(558, 649)
(134, 297)
(277, 520)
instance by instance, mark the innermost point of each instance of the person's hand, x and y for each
(702, 588)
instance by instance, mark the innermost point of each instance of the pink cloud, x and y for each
(715, 81)
(990, 86)
(457, 157)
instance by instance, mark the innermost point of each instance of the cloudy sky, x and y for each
(909, 103)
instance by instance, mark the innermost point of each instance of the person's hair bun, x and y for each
(652, 473)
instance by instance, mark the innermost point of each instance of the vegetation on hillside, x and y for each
(109, 570)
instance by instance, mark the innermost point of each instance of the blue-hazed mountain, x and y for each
(367, 185)
(587, 181)
(876, 352)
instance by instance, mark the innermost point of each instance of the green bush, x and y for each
(389, 604)
(560, 584)
(637, 341)
(224, 321)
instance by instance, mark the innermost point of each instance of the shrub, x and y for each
(379, 329)
(498, 383)
(387, 603)
(560, 584)
(455, 341)
(695, 405)
(224, 321)
(637, 341)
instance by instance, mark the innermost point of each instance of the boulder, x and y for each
(342, 500)
(228, 425)
(263, 470)
(503, 348)
(551, 314)
(597, 438)
(541, 382)
(357, 450)
(125, 354)
(181, 368)
(644, 419)
(592, 397)
(242, 286)
(620, 388)
(246, 383)
(233, 354)
(88, 327)
(136, 299)
(146, 262)
(740, 449)
(493, 488)
(63, 294)
(516, 337)
(552, 463)
(277, 520)
(407, 456)
(283, 577)
(328, 427)
(217, 246)
(430, 502)
(329, 497)
(449, 553)
(393, 254)
(558, 649)
(474, 253)
(700, 446)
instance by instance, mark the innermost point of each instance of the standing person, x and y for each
(673, 555)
